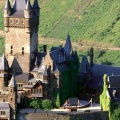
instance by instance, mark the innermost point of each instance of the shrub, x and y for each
(116, 114)
(47, 104)
(36, 103)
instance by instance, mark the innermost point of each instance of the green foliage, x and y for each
(36, 103)
(106, 57)
(1, 46)
(47, 104)
(115, 115)
(56, 96)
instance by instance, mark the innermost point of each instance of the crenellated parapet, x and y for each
(26, 16)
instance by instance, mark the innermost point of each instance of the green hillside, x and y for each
(97, 20)
(85, 19)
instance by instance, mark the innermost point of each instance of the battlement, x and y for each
(21, 15)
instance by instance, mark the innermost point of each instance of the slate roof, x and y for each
(68, 46)
(22, 78)
(4, 105)
(112, 92)
(114, 81)
(19, 5)
(28, 6)
(7, 5)
(98, 71)
(33, 80)
(12, 82)
(73, 101)
(35, 4)
(84, 65)
(4, 63)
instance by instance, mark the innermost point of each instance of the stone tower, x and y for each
(4, 68)
(12, 99)
(21, 33)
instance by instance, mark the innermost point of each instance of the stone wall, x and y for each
(70, 116)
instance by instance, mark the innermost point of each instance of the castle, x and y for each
(25, 72)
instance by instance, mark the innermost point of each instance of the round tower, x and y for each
(3, 73)
(13, 97)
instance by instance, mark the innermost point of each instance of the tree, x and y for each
(47, 104)
(36, 103)
(116, 114)
(57, 102)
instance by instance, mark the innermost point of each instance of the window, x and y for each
(22, 50)
(22, 21)
(11, 99)
(17, 21)
(40, 91)
(2, 112)
(11, 21)
(3, 100)
(11, 90)
(11, 49)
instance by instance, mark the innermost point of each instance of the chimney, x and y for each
(91, 56)
(45, 48)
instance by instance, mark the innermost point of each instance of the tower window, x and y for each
(22, 21)
(17, 21)
(11, 99)
(11, 49)
(11, 90)
(11, 21)
(22, 50)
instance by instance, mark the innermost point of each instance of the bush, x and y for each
(36, 103)
(116, 114)
(47, 104)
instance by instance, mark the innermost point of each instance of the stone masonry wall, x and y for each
(70, 116)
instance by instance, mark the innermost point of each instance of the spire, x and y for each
(7, 5)
(68, 46)
(35, 4)
(3, 63)
(28, 6)
(12, 82)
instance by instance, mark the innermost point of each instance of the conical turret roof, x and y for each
(35, 4)
(4, 63)
(7, 5)
(45, 72)
(12, 82)
(68, 46)
(28, 6)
